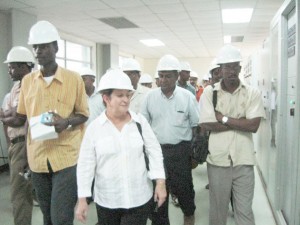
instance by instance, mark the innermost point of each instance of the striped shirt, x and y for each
(65, 94)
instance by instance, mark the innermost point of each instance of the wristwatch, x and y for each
(224, 119)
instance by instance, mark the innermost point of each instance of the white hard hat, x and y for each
(205, 77)
(19, 54)
(43, 32)
(145, 78)
(115, 79)
(229, 54)
(185, 66)
(193, 74)
(131, 65)
(213, 65)
(168, 63)
(87, 71)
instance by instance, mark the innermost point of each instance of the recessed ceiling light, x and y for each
(152, 42)
(227, 39)
(237, 15)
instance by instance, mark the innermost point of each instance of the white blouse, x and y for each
(116, 160)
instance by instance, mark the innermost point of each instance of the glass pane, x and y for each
(78, 52)
(61, 49)
(61, 62)
(76, 66)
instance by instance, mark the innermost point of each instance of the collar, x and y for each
(173, 94)
(58, 74)
(134, 117)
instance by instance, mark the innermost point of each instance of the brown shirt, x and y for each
(66, 95)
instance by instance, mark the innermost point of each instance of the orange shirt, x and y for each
(199, 92)
(65, 94)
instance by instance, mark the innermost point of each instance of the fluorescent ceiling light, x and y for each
(237, 15)
(152, 42)
(227, 39)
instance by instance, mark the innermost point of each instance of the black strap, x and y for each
(144, 149)
(215, 99)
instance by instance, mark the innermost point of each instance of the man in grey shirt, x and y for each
(173, 113)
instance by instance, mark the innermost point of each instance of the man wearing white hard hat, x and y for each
(184, 76)
(194, 83)
(20, 61)
(60, 93)
(173, 116)
(231, 157)
(112, 152)
(146, 80)
(214, 71)
(94, 98)
(133, 69)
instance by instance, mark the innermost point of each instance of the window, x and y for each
(73, 56)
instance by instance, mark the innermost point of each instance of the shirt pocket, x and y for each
(181, 119)
(106, 146)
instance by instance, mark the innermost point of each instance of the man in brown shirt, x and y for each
(20, 61)
(61, 92)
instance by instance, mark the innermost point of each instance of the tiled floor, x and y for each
(262, 212)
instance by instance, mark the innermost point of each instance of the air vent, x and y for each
(118, 22)
(237, 38)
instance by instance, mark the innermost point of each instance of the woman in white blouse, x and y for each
(112, 152)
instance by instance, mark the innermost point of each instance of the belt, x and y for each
(17, 139)
(173, 146)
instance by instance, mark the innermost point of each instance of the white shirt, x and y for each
(116, 160)
(244, 102)
(138, 98)
(96, 106)
(171, 118)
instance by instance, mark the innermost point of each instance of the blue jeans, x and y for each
(57, 195)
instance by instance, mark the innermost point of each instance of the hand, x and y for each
(58, 122)
(81, 210)
(219, 116)
(160, 193)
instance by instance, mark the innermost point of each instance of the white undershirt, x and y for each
(49, 79)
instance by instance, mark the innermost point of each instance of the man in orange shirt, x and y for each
(61, 92)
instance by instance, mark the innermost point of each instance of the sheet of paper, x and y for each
(40, 131)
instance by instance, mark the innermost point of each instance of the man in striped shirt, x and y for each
(61, 92)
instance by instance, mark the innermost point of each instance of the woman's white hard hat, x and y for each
(115, 79)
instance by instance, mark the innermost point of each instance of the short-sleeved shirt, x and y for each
(12, 102)
(235, 145)
(65, 94)
(171, 118)
(138, 98)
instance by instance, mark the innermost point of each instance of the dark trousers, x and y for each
(132, 216)
(177, 160)
(57, 195)
(21, 189)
